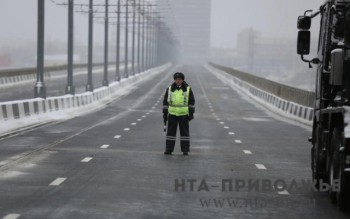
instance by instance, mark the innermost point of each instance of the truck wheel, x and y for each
(316, 168)
(342, 194)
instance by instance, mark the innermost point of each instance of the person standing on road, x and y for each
(178, 108)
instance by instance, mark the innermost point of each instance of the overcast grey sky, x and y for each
(274, 18)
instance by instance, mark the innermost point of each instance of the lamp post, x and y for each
(70, 87)
(39, 88)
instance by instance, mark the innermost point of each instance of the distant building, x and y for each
(190, 22)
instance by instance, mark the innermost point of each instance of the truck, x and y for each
(330, 151)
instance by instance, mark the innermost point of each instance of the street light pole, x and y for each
(89, 86)
(70, 87)
(105, 75)
(117, 72)
(39, 88)
(126, 74)
(133, 37)
(139, 37)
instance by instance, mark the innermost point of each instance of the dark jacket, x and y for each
(191, 100)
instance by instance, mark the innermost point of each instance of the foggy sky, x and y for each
(273, 18)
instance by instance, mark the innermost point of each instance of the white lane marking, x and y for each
(104, 146)
(147, 113)
(226, 127)
(284, 192)
(134, 123)
(260, 166)
(211, 110)
(156, 104)
(127, 129)
(231, 133)
(139, 120)
(143, 116)
(86, 159)
(238, 141)
(222, 123)
(117, 136)
(57, 181)
(210, 107)
(247, 152)
(12, 216)
(153, 107)
(218, 119)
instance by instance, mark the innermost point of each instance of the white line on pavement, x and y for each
(139, 120)
(247, 152)
(231, 133)
(11, 216)
(134, 123)
(284, 192)
(127, 129)
(260, 166)
(117, 136)
(57, 181)
(226, 127)
(238, 141)
(86, 159)
(222, 123)
(143, 116)
(104, 146)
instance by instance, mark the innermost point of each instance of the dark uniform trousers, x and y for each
(184, 132)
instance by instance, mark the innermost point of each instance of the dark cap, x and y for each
(179, 75)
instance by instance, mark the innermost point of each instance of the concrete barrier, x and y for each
(286, 107)
(53, 108)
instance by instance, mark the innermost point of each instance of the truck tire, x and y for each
(342, 195)
(317, 167)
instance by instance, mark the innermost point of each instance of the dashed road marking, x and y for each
(58, 181)
(226, 127)
(143, 116)
(153, 107)
(222, 123)
(147, 113)
(218, 119)
(211, 110)
(139, 120)
(12, 216)
(260, 166)
(117, 136)
(247, 152)
(284, 192)
(231, 133)
(238, 141)
(134, 123)
(86, 159)
(127, 129)
(104, 146)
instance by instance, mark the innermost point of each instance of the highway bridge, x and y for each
(90, 142)
(246, 160)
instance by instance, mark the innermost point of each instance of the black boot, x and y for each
(185, 153)
(167, 152)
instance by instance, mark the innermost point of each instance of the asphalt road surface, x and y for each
(110, 163)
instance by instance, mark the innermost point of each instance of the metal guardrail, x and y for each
(299, 96)
(28, 71)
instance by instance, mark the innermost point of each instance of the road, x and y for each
(110, 163)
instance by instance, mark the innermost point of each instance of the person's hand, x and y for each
(165, 117)
(190, 117)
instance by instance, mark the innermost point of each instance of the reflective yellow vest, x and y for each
(178, 102)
